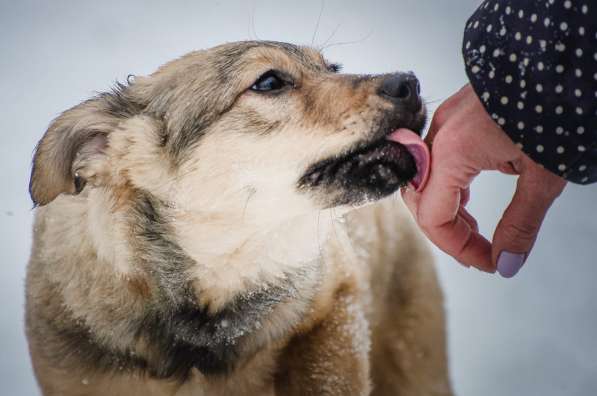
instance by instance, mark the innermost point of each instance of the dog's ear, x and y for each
(72, 151)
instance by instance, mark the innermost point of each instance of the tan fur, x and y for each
(364, 315)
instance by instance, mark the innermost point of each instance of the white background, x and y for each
(533, 335)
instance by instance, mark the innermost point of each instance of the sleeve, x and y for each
(533, 63)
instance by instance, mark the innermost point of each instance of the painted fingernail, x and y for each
(508, 264)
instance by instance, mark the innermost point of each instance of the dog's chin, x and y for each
(366, 173)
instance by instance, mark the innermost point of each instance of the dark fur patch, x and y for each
(159, 256)
(189, 135)
(189, 336)
(119, 103)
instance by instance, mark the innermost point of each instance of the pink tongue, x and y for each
(420, 152)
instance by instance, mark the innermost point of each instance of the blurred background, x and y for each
(532, 335)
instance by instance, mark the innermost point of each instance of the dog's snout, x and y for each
(403, 89)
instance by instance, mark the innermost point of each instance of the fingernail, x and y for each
(508, 264)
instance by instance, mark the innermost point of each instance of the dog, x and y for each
(226, 226)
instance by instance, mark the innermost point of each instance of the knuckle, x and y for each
(520, 232)
(442, 114)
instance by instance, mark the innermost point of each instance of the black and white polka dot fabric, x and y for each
(533, 63)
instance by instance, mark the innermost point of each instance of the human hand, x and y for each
(465, 141)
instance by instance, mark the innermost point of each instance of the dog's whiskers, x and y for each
(433, 101)
(252, 192)
(319, 234)
(251, 27)
(318, 21)
(330, 37)
(333, 219)
(340, 43)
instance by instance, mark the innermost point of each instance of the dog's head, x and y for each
(251, 127)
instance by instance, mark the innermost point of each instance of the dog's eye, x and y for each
(268, 82)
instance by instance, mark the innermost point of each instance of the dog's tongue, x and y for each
(420, 152)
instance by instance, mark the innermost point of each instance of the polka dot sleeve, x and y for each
(533, 63)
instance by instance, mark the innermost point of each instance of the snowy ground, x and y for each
(531, 335)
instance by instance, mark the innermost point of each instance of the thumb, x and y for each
(517, 231)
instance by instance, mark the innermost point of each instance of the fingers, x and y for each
(460, 238)
(470, 220)
(517, 231)
(447, 224)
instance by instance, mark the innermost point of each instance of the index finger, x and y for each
(444, 113)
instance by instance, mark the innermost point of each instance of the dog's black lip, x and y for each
(314, 174)
(392, 154)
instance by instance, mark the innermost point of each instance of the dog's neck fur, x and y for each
(231, 254)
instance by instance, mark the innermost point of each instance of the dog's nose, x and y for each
(403, 89)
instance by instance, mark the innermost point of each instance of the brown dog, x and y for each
(202, 231)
